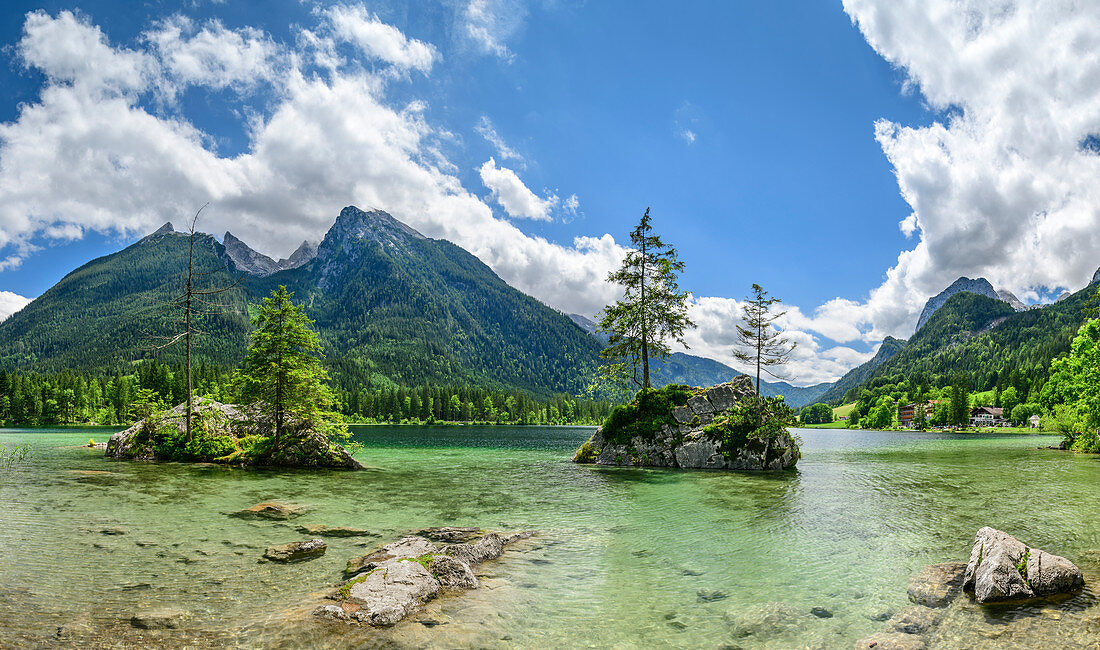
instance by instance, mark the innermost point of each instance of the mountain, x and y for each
(1011, 299)
(111, 310)
(986, 339)
(861, 373)
(252, 262)
(392, 308)
(980, 287)
(585, 323)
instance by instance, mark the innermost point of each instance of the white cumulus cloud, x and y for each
(355, 25)
(11, 303)
(512, 195)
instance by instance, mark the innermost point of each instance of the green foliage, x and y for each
(816, 414)
(14, 454)
(652, 310)
(650, 410)
(587, 453)
(754, 418)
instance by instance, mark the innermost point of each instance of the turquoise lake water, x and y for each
(623, 558)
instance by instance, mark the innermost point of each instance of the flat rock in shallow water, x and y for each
(450, 534)
(158, 619)
(994, 571)
(272, 510)
(937, 585)
(332, 531)
(405, 548)
(390, 592)
(296, 551)
(764, 621)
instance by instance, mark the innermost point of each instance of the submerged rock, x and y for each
(915, 620)
(450, 534)
(937, 585)
(1003, 568)
(764, 621)
(167, 618)
(891, 641)
(296, 551)
(332, 531)
(272, 510)
(683, 443)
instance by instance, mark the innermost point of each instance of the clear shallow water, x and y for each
(620, 560)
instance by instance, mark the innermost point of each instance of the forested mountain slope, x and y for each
(392, 307)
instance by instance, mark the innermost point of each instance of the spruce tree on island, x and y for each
(282, 370)
(652, 311)
(757, 342)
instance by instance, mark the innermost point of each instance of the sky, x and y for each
(853, 157)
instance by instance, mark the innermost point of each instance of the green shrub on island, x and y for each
(650, 410)
(755, 418)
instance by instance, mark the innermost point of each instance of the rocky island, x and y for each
(727, 426)
(225, 433)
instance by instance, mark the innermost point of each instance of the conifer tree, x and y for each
(652, 311)
(282, 369)
(757, 342)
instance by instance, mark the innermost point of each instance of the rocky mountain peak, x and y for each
(246, 259)
(979, 286)
(1095, 277)
(370, 225)
(343, 243)
(166, 228)
(301, 256)
(1011, 299)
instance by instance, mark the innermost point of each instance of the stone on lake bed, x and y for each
(332, 531)
(272, 510)
(296, 551)
(891, 641)
(158, 619)
(915, 620)
(763, 621)
(711, 595)
(937, 585)
(821, 612)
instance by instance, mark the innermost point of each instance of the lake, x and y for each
(623, 558)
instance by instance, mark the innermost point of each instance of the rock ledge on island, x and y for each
(684, 442)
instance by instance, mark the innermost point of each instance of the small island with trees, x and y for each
(288, 417)
(728, 426)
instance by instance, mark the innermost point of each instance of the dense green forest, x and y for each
(71, 397)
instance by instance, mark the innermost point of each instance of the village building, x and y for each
(987, 416)
(1033, 421)
(908, 413)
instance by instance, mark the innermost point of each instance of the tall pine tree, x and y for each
(652, 310)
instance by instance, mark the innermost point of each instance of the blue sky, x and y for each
(782, 143)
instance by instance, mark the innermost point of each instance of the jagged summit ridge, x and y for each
(979, 286)
(250, 261)
(344, 242)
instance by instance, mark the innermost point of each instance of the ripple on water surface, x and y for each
(626, 557)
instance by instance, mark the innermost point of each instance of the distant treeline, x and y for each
(68, 397)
